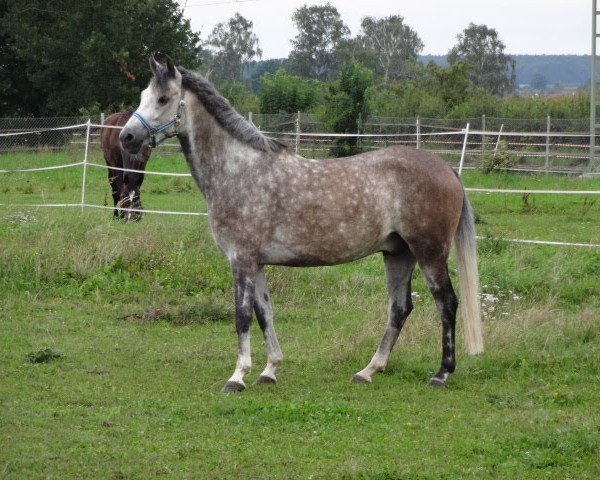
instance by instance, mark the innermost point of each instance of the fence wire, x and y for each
(79, 144)
(568, 153)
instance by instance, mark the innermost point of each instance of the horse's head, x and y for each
(160, 110)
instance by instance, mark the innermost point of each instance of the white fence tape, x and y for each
(85, 163)
(163, 212)
(41, 169)
(40, 205)
(505, 133)
(542, 192)
(363, 135)
(542, 242)
(101, 207)
(42, 130)
(150, 172)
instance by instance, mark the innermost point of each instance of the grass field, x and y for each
(142, 315)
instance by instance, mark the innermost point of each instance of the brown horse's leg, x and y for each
(264, 315)
(244, 277)
(446, 302)
(116, 184)
(398, 268)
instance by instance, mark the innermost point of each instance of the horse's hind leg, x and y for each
(438, 280)
(398, 268)
(264, 315)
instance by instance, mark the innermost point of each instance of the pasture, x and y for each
(142, 314)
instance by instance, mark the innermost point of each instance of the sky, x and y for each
(525, 26)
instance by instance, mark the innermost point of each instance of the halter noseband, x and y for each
(153, 131)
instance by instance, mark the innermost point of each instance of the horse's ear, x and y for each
(153, 64)
(170, 66)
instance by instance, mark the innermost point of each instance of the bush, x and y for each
(347, 105)
(283, 93)
(240, 97)
(476, 106)
(493, 161)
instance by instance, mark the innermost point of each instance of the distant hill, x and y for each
(567, 70)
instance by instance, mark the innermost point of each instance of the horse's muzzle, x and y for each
(130, 141)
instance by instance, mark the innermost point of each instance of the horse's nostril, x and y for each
(128, 137)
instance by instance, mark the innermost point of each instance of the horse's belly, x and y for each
(323, 251)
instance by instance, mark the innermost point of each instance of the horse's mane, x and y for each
(221, 110)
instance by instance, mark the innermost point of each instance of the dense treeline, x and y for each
(59, 56)
(64, 57)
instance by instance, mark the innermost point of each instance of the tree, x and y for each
(320, 31)
(389, 43)
(490, 69)
(56, 57)
(234, 45)
(347, 104)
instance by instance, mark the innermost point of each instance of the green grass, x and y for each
(142, 315)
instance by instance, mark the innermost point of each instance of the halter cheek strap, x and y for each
(153, 131)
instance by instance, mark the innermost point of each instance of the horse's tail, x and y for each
(466, 253)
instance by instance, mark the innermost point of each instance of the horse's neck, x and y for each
(209, 149)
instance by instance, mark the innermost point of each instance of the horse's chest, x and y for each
(238, 225)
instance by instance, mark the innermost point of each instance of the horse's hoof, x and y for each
(264, 379)
(360, 379)
(233, 387)
(437, 382)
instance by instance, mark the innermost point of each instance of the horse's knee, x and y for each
(399, 313)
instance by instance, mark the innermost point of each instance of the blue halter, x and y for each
(153, 131)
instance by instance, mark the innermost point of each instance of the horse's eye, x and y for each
(163, 100)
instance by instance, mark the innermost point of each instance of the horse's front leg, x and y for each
(244, 279)
(264, 315)
(115, 179)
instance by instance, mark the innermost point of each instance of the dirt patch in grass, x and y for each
(198, 312)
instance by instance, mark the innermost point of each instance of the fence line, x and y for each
(100, 207)
(150, 172)
(463, 131)
(163, 212)
(41, 169)
(302, 132)
(542, 192)
(466, 131)
(42, 130)
(542, 242)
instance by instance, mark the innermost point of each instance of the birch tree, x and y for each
(388, 44)
(233, 45)
(320, 32)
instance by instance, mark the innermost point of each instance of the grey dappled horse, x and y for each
(268, 206)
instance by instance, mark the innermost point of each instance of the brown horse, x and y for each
(125, 185)
(268, 206)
